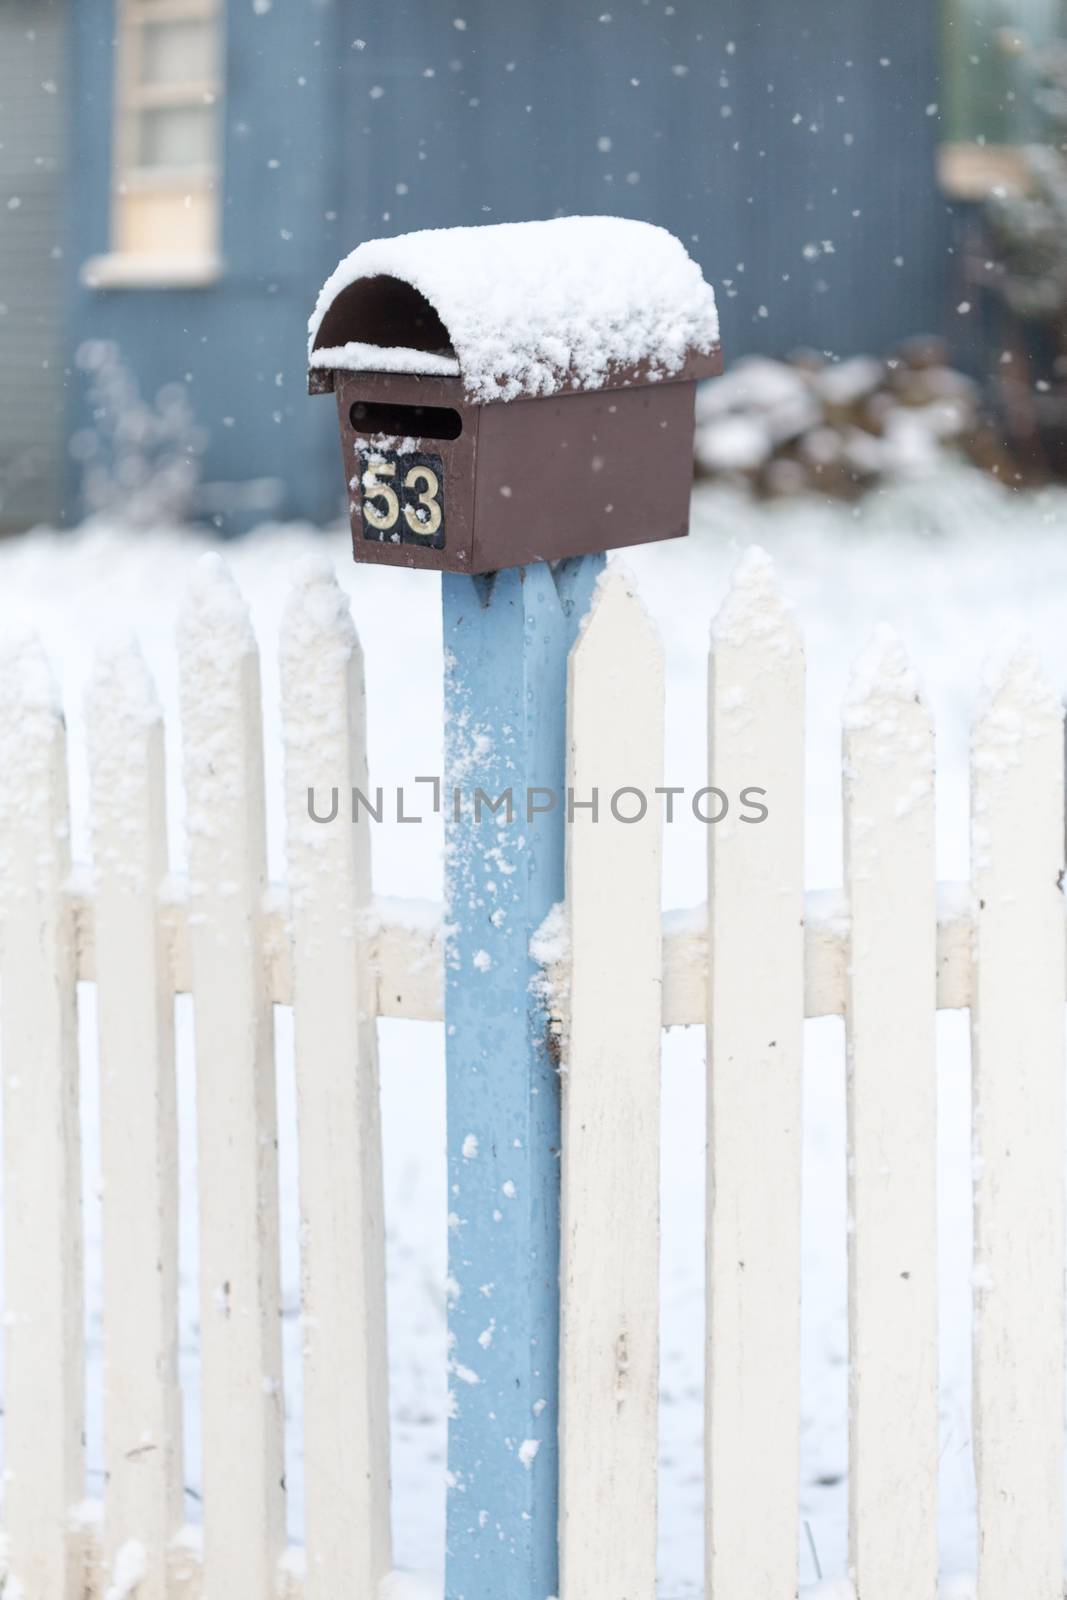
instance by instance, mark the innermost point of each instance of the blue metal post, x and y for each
(506, 640)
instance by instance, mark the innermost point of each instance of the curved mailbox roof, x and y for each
(519, 309)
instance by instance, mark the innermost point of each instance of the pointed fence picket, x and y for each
(883, 955)
(44, 1472)
(1017, 1001)
(138, 1124)
(346, 1446)
(610, 1273)
(240, 1326)
(892, 1126)
(755, 1018)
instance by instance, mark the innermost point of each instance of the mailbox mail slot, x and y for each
(418, 422)
(515, 393)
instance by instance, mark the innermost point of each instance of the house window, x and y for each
(989, 110)
(165, 202)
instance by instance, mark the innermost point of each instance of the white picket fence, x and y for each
(885, 955)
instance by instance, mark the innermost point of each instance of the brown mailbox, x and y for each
(515, 393)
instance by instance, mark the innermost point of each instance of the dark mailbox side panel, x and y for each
(458, 458)
(580, 472)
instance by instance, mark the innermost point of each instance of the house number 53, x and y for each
(403, 497)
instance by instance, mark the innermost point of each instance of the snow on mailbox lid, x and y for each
(521, 309)
(515, 393)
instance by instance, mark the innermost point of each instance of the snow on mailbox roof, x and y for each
(523, 308)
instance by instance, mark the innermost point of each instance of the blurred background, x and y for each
(878, 192)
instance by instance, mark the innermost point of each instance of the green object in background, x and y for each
(988, 73)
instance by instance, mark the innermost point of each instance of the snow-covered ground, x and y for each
(952, 564)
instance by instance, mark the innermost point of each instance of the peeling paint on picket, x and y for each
(138, 1125)
(609, 1369)
(240, 1317)
(884, 952)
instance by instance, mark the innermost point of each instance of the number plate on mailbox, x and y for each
(402, 497)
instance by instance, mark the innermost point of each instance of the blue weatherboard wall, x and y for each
(798, 169)
(231, 341)
(743, 153)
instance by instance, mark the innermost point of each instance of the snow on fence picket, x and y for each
(138, 1124)
(1017, 1050)
(609, 1275)
(884, 954)
(892, 1114)
(755, 895)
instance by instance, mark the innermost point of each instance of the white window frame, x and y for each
(194, 190)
